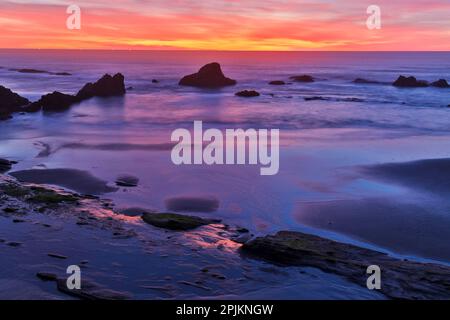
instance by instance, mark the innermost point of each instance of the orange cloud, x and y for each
(226, 25)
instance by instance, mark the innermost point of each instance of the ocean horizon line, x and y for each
(230, 51)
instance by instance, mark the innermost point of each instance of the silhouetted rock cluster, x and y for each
(5, 165)
(10, 102)
(412, 82)
(107, 86)
(409, 82)
(247, 93)
(55, 101)
(209, 76)
(441, 83)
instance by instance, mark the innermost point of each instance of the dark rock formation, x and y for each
(10, 102)
(173, 221)
(247, 93)
(107, 86)
(209, 76)
(409, 82)
(402, 279)
(30, 71)
(55, 101)
(36, 71)
(277, 83)
(303, 78)
(315, 98)
(127, 181)
(441, 83)
(5, 165)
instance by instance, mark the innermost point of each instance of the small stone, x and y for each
(57, 256)
(247, 93)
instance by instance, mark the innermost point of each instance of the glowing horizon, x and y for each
(226, 25)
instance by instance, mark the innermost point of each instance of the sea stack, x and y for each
(441, 83)
(209, 76)
(409, 82)
(107, 86)
(10, 102)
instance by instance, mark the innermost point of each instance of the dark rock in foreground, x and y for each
(10, 102)
(441, 83)
(107, 86)
(303, 78)
(277, 83)
(399, 279)
(55, 101)
(209, 76)
(247, 93)
(5, 165)
(127, 181)
(409, 82)
(175, 221)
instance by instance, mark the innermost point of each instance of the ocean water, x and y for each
(318, 189)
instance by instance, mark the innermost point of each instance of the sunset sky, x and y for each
(226, 25)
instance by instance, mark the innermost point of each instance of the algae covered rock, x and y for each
(175, 221)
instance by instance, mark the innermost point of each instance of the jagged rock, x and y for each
(247, 93)
(441, 83)
(409, 82)
(107, 86)
(277, 83)
(10, 102)
(303, 78)
(401, 280)
(5, 165)
(175, 221)
(209, 76)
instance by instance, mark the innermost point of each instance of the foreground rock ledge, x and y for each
(400, 279)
